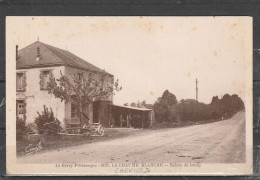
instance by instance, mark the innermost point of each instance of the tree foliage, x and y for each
(226, 106)
(83, 88)
(167, 109)
(47, 123)
(140, 104)
(169, 98)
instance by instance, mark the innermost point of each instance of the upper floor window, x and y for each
(44, 78)
(20, 81)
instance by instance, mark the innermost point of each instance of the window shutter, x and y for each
(16, 110)
(41, 79)
(24, 110)
(16, 82)
(51, 75)
(24, 81)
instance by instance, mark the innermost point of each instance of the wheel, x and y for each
(102, 131)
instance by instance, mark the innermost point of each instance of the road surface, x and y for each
(218, 142)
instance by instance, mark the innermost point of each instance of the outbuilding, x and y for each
(128, 116)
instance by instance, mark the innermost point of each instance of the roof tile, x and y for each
(51, 56)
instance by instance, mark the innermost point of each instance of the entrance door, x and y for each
(96, 107)
(20, 110)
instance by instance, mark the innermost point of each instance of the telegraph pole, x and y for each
(196, 89)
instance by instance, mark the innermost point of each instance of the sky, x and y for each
(151, 54)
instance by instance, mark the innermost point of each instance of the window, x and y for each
(21, 110)
(74, 110)
(44, 79)
(20, 81)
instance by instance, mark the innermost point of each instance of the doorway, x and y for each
(96, 107)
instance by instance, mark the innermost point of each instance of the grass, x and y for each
(56, 143)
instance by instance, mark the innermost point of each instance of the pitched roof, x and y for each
(51, 56)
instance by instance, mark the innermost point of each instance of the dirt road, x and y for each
(219, 142)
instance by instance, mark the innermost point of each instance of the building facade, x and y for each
(35, 64)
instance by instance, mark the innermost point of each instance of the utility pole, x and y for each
(196, 89)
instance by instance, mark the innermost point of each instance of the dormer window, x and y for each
(38, 54)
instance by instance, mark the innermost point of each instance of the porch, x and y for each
(96, 112)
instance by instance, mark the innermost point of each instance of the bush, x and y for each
(47, 123)
(20, 128)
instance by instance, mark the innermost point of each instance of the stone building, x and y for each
(34, 66)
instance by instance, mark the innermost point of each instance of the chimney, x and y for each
(16, 53)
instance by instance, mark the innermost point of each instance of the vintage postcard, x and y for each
(129, 95)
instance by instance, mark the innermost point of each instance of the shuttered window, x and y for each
(20, 81)
(21, 109)
(45, 76)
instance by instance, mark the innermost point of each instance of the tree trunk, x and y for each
(142, 113)
(81, 115)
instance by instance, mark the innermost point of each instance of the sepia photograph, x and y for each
(129, 95)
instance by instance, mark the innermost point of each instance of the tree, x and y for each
(47, 123)
(165, 107)
(214, 100)
(142, 104)
(82, 89)
(161, 110)
(169, 98)
(133, 104)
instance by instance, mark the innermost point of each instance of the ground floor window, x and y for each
(20, 111)
(74, 110)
